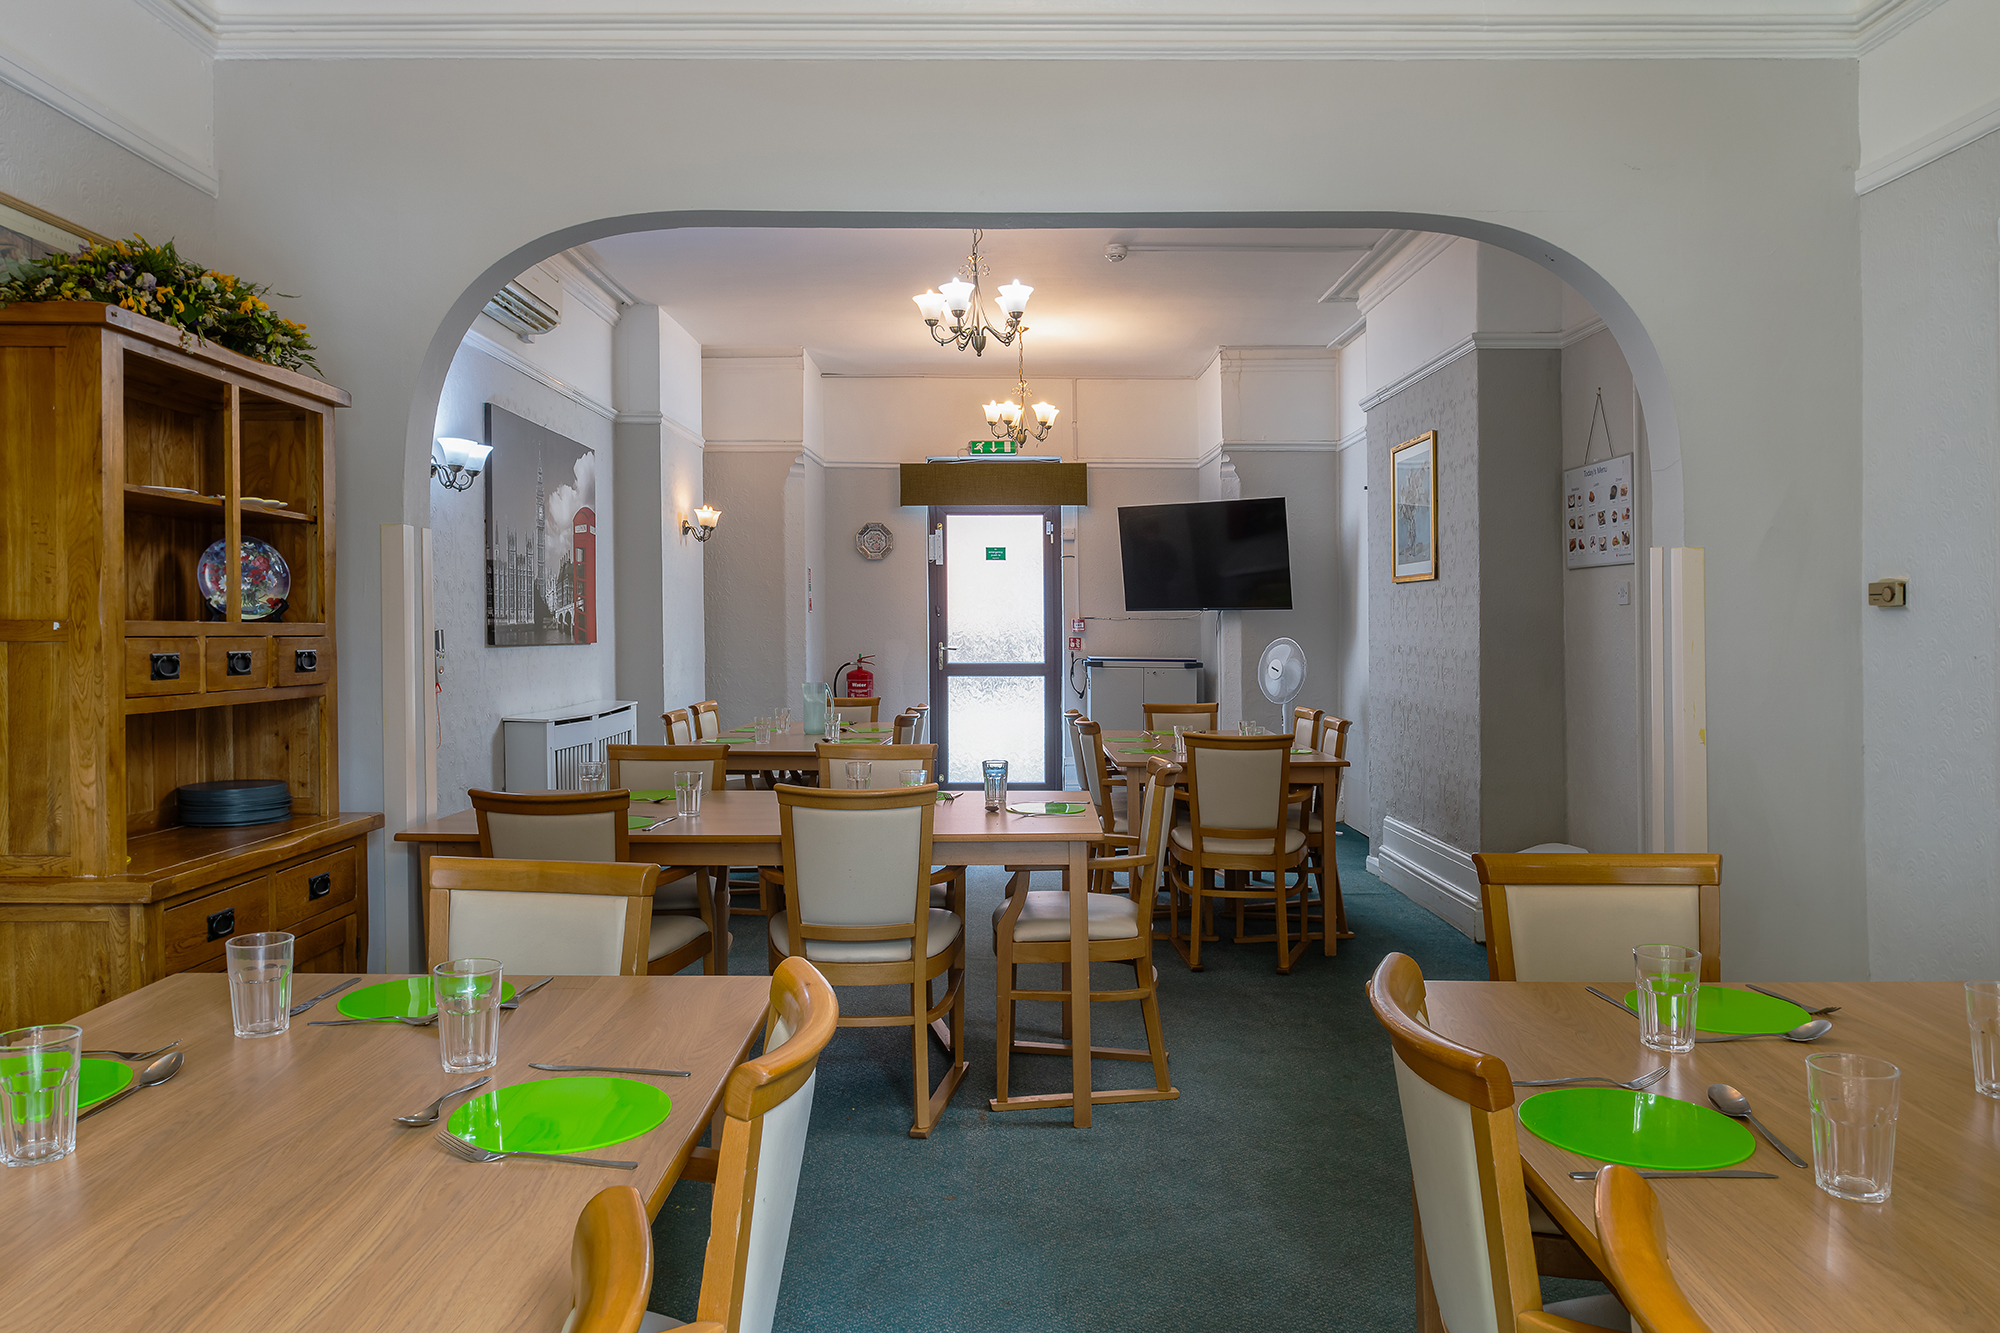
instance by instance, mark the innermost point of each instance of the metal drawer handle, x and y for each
(222, 924)
(239, 663)
(306, 659)
(166, 666)
(319, 886)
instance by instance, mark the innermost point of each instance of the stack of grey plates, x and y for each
(227, 804)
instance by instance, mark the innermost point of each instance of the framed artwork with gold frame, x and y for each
(27, 232)
(1413, 509)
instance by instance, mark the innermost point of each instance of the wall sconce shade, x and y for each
(705, 519)
(456, 462)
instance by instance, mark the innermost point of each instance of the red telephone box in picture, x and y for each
(583, 576)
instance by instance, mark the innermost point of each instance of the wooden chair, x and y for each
(923, 712)
(1317, 730)
(568, 918)
(587, 826)
(856, 712)
(887, 762)
(909, 728)
(1634, 1241)
(1111, 802)
(680, 726)
(1180, 715)
(611, 1264)
(1239, 823)
(1475, 1252)
(707, 720)
(1033, 927)
(857, 906)
(1553, 916)
(651, 768)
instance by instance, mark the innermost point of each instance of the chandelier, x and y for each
(961, 300)
(1006, 419)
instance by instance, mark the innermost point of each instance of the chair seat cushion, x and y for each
(944, 931)
(674, 932)
(1182, 839)
(681, 895)
(1310, 821)
(1598, 1311)
(654, 1322)
(1045, 917)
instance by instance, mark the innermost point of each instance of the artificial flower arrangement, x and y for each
(153, 280)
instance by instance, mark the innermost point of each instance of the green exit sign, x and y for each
(991, 447)
(996, 553)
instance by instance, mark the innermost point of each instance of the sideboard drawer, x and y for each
(162, 666)
(237, 662)
(196, 931)
(305, 661)
(317, 886)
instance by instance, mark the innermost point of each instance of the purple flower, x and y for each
(147, 282)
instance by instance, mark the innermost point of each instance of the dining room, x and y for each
(529, 635)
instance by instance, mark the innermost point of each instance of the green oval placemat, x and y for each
(1639, 1129)
(101, 1079)
(567, 1115)
(1725, 1009)
(1048, 808)
(1160, 751)
(651, 795)
(408, 997)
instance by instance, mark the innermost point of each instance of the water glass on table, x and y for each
(1854, 1099)
(1669, 984)
(1982, 1014)
(782, 721)
(590, 775)
(40, 1071)
(260, 983)
(760, 730)
(468, 1005)
(994, 774)
(859, 772)
(687, 791)
(913, 777)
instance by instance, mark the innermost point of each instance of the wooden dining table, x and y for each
(1130, 750)
(740, 828)
(267, 1186)
(793, 750)
(1757, 1255)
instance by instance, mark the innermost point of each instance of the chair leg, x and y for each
(920, 1057)
(1006, 978)
(1339, 904)
(1144, 974)
(1284, 922)
(1065, 1030)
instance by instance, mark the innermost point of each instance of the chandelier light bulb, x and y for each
(993, 414)
(957, 295)
(1010, 413)
(932, 306)
(1014, 298)
(1046, 413)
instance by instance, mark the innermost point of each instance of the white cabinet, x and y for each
(1116, 689)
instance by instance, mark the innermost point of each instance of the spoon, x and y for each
(1733, 1103)
(429, 1115)
(159, 1071)
(1812, 1031)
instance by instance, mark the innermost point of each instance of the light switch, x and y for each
(1625, 592)
(1889, 592)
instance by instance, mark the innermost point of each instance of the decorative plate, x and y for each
(267, 579)
(874, 541)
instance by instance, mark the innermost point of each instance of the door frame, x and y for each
(1050, 668)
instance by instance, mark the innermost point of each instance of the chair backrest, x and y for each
(1333, 735)
(553, 826)
(1634, 1241)
(856, 710)
(765, 1105)
(569, 918)
(1465, 1161)
(1553, 916)
(1180, 715)
(886, 763)
(1151, 813)
(652, 767)
(857, 864)
(707, 720)
(1090, 766)
(909, 728)
(1237, 787)
(610, 1263)
(1306, 725)
(680, 726)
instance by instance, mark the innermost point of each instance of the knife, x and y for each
(610, 1069)
(298, 1009)
(1816, 1013)
(1685, 1175)
(1616, 1004)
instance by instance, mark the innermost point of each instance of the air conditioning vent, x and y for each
(522, 312)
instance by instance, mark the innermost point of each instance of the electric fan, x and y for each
(1281, 674)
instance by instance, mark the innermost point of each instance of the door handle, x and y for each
(944, 648)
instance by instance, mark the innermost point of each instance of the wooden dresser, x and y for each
(125, 452)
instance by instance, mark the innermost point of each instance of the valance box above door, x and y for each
(995, 483)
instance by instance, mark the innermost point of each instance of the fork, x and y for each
(472, 1152)
(1639, 1084)
(137, 1055)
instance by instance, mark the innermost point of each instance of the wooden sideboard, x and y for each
(127, 449)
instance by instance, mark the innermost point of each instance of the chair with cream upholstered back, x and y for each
(680, 726)
(857, 870)
(909, 729)
(707, 720)
(1306, 727)
(858, 711)
(1634, 1241)
(1475, 1251)
(651, 768)
(1239, 823)
(553, 826)
(568, 918)
(1111, 802)
(1163, 716)
(1553, 916)
(885, 769)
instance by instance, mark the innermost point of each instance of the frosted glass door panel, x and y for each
(997, 717)
(993, 565)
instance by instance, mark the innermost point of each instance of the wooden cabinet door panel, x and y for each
(162, 666)
(306, 661)
(307, 890)
(237, 662)
(331, 948)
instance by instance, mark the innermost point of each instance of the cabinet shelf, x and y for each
(180, 504)
(180, 703)
(168, 629)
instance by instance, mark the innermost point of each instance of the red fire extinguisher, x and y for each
(861, 681)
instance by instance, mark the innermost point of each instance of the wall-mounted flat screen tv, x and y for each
(1225, 555)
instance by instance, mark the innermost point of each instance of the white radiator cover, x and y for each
(542, 750)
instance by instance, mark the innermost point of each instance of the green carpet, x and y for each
(1274, 1194)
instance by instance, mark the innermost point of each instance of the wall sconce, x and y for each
(456, 463)
(704, 523)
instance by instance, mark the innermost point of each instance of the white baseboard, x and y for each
(1431, 873)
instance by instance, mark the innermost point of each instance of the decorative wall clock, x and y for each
(874, 541)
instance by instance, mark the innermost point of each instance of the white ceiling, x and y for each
(844, 295)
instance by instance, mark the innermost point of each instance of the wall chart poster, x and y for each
(1597, 513)
(541, 535)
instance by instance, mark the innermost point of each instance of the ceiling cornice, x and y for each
(939, 30)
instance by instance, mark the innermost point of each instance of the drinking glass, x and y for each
(1853, 1100)
(1982, 1012)
(590, 775)
(1180, 745)
(832, 723)
(858, 771)
(994, 771)
(1669, 985)
(468, 1006)
(913, 777)
(39, 1075)
(687, 792)
(760, 730)
(260, 983)
(784, 720)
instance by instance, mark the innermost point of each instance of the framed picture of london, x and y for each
(541, 535)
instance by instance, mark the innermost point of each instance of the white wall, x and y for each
(1929, 90)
